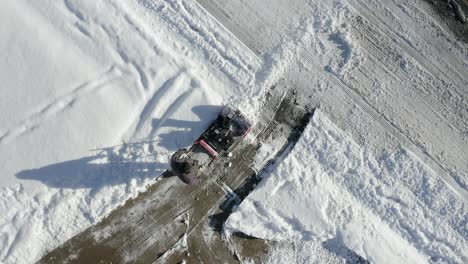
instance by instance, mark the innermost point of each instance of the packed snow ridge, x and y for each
(387, 209)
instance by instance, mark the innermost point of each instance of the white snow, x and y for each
(381, 170)
(81, 75)
(388, 209)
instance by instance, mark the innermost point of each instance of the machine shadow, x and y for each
(119, 164)
(106, 168)
(187, 131)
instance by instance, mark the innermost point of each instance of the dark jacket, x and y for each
(185, 167)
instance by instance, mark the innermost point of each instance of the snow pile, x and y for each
(387, 209)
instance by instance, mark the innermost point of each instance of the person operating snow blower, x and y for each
(185, 167)
(221, 137)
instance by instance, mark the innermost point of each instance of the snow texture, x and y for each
(81, 77)
(387, 209)
(382, 166)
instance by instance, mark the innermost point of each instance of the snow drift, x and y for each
(388, 209)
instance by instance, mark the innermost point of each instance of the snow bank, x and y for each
(388, 209)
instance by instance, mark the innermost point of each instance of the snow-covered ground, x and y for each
(82, 75)
(387, 209)
(382, 169)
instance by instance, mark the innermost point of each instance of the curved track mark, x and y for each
(172, 108)
(58, 105)
(152, 104)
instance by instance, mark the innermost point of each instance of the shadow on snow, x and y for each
(119, 164)
(86, 173)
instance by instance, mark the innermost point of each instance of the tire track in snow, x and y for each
(435, 70)
(141, 76)
(418, 150)
(73, 10)
(152, 104)
(172, 108)
(413, 147)
(85, 26)
(248, 48)
(208, 37)
(426, 88)
(58, 105)
(439, 111)
(180, 19)
(447, 53)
